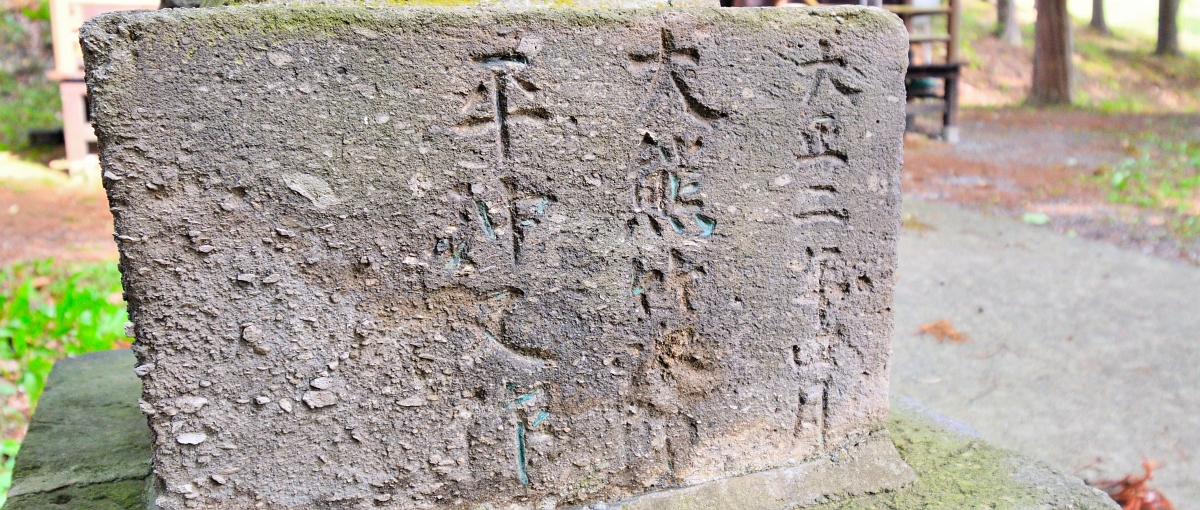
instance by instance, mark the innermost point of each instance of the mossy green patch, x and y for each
(118, 495)
(282, 22)
(952, 471)
(957, 471)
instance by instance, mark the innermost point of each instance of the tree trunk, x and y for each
(1052, 67)
(1007, 27)
(1168, 28)
(1098, 24)
(1002, 8)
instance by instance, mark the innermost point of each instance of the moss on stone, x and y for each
(88, 445)
(384, 15)
(952, 471)
(959, 471)
(118, 495)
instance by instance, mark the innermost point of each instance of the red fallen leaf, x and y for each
(943, 331)
(1132, 492)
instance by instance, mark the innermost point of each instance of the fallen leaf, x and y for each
(943, 331)
(1036, 218)
(910, 222)
(9, 366)
(1132, 492)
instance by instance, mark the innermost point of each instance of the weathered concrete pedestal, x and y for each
(89, 448)
(505, 258)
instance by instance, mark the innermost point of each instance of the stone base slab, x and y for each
(870, 466)
(89, 447)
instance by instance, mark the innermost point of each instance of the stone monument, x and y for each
(500, 257)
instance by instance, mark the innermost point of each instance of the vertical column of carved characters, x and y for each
(813, 356)
(820, 207)
(826, 97)
(645, 282)
(666, 179)
(678, 371)
(520, 114)
(667, 213)
(840, 326)
(830, 94)
(505, 206)
(647, 186)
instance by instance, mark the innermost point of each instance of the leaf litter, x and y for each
(943, 330)
(1133, 493)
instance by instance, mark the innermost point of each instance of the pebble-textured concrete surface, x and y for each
(1079, 353)
(444, 257)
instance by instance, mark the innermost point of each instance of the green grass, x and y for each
(1117, 73)
(1141, 18)
(48, 312)
(26, 104)
(1159, 175)
(1123, 68)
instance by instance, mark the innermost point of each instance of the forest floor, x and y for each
(1121, 165)
(1127, 179)
(44, 214)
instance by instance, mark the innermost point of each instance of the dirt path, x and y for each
(43, 214)
(1012, 162)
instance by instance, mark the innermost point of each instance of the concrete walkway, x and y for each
(1079, 353)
